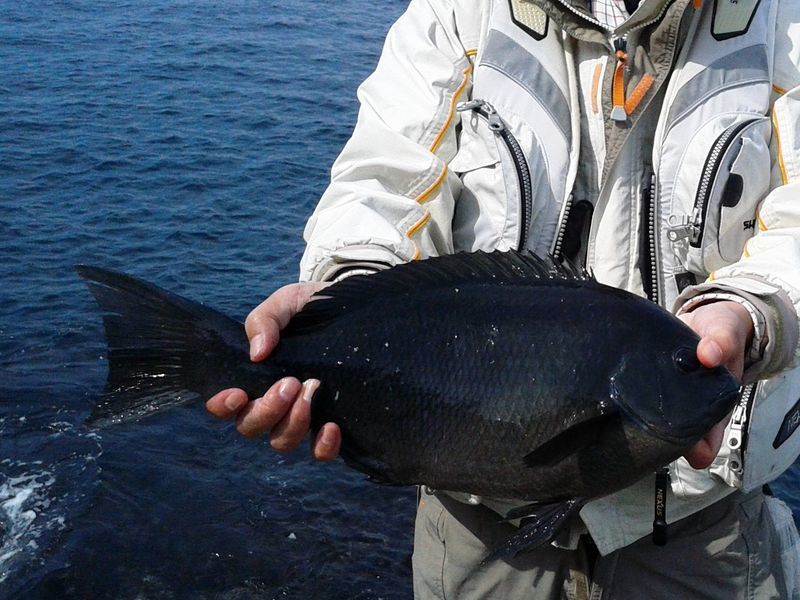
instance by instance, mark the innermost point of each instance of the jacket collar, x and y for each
(576, 15)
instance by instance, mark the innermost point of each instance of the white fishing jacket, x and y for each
(665, 154)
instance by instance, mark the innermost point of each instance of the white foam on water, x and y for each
(23, 500)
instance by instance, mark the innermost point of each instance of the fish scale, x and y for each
(438, 375)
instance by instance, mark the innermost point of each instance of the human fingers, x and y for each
(262, 414)
(725, 329)
(227, 403)
(703, 453)
(327, 443)
(721, 347)
(264, 323)
(290, 431)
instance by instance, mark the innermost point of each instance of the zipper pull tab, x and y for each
(495, 122)
(679, 232)
(680, 227)
(618, 112)
(483, 107)
(469, 105)
(697, 225)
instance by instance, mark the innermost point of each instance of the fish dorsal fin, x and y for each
(499, 268)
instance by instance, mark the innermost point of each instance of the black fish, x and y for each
(502, 375)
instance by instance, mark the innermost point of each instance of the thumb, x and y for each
(710, 352)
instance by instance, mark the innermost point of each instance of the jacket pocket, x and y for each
(484, 203)
(507, 199)
(733, 178)
(772, 443)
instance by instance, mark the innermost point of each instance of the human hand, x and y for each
(725, 329)
(285, 409)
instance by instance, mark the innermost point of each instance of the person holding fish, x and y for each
(654, 142)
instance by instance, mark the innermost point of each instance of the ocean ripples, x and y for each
(40, 498)
(186, 143)
(22, 499)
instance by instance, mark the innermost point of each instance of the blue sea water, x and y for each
(187, 143)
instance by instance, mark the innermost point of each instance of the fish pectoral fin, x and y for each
(568, 442)
(537, 530)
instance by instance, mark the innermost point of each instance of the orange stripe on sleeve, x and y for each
(778, 150)
(761, 225)
(424, 196)
(453, 102)
(418, 225)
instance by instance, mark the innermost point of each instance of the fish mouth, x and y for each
(686, 433)
(690, 433)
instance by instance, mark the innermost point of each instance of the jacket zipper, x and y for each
(499, 127)
(649, 207)
(692, 226)
(558, 242)
(582, 14)
(591, 19)
(737, 431)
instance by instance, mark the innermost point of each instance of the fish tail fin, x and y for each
(163, 350)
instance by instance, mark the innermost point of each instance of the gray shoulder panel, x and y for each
(509, 58)
(748, 65)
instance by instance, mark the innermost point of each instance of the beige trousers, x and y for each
(729, 551)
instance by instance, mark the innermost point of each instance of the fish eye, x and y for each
(686, 359)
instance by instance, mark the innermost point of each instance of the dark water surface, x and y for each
(184, 142)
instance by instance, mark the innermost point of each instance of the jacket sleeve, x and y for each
(768, 274)
(391, 195)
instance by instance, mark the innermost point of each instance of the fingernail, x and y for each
(309, 388)
(285, 391)
(257, 346)
(234, 402)
(717, 353)
(325, 439)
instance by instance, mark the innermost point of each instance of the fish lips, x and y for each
(686, 431)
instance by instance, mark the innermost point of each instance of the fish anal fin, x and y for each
(538, 529)
(577, 437)
(528, 510)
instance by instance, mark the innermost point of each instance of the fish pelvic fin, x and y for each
(540, 524)
(163, 350)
